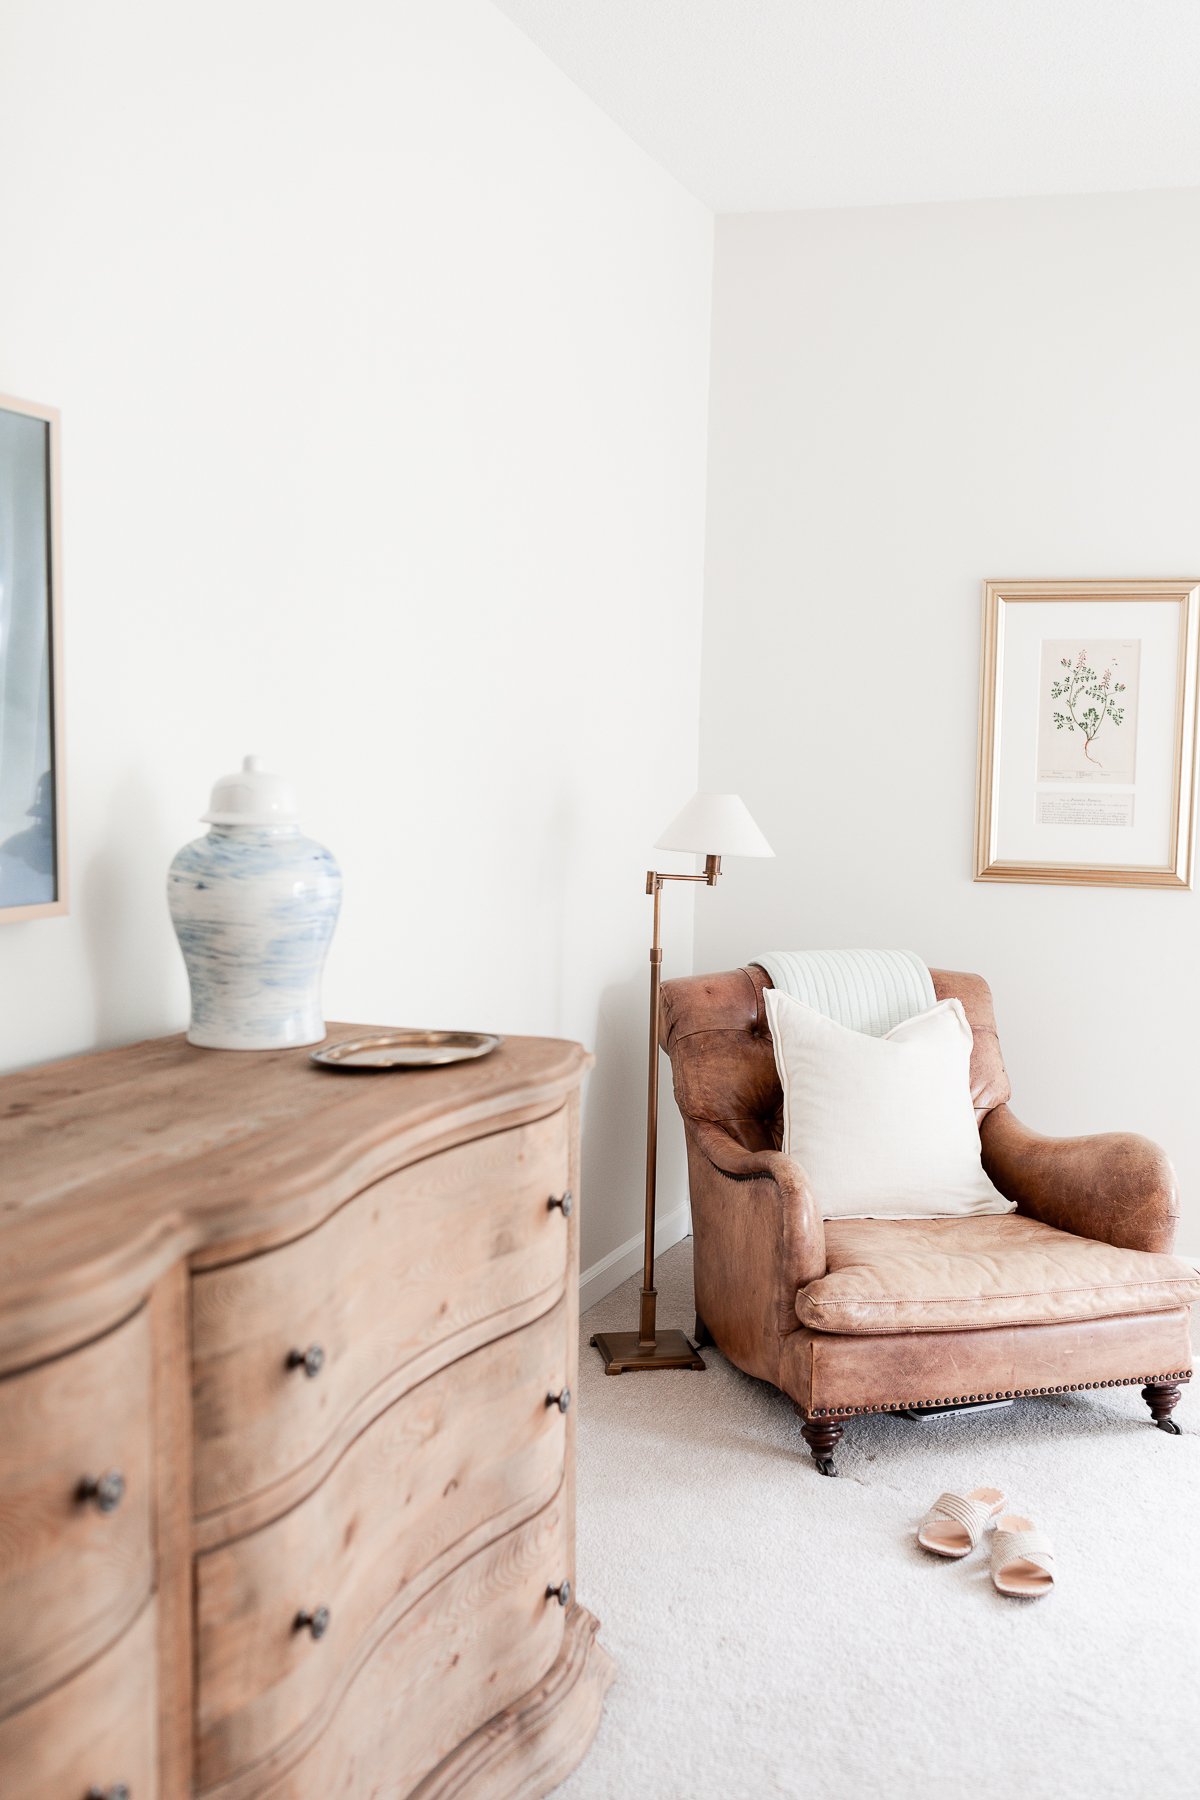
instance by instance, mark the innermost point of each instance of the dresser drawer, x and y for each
(458, 1461)
(75, 1565)
(98, 1730)
(475, 1643)
(414, 1272)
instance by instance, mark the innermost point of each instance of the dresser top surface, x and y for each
(114, 1164)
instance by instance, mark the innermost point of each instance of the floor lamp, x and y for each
(707, 819)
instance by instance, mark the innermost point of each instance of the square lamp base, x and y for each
(621, 1351)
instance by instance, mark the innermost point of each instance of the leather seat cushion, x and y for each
(966, 1274)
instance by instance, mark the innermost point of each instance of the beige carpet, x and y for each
(776, 1633)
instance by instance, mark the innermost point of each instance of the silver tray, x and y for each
(404, 1050)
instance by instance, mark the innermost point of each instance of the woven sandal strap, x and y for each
(1022, 1546)
(972, 1515)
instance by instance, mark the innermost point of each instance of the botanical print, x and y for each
(1087, 728)
(1087, 698)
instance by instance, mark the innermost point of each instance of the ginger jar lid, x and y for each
(252, 796)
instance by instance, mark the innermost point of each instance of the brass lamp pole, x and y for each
(722, 818)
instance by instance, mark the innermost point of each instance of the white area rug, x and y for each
(777, 1633)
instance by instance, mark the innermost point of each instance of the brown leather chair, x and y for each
(1075, 1289)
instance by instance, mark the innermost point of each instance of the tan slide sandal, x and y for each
(1022, 1558)
(955, 1523)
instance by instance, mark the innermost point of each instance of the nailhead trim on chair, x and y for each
(1070, 1387)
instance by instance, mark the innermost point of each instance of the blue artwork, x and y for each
(30, 874)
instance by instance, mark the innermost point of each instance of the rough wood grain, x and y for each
(377, 1285)
(458, 1461)
(116, 1165)
(473, 1644)
(572, 1323)
(97, 1730)
(251, 1514)
(431, 1485)
(170, 1333)
(73, 1577)
(526, 1750)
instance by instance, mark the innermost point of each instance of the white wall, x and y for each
(382, 357)
(905, 401)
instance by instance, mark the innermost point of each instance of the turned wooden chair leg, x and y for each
(701, 1334)
(823, 1437)
(1162, 1402)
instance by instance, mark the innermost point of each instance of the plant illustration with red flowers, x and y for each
(1075, 689)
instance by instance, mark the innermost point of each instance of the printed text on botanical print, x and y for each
(1084, 809)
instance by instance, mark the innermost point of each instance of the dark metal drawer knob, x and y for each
(315, 1622)
(107, 1491)
(566, 1201)
(312, 1360)
(119, 1791)
(562, 1401)
(562, 1593)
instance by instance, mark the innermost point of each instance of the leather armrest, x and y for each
(759, 1237)
(1117, 1187)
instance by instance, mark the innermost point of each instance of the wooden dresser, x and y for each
(286, 1436)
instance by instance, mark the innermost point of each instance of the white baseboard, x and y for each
(611, 1270)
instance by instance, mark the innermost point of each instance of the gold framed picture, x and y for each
(1087, 732)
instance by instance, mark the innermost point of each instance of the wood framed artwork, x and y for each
(33, 871)
(1087, 732)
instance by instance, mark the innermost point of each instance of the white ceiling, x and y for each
(759, 105)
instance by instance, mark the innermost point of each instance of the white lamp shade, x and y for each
(715, 825)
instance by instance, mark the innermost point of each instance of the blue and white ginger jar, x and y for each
(254, 905)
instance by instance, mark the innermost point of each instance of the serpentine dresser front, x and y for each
(286, 1433)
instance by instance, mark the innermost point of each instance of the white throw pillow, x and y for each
(884, 1127)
